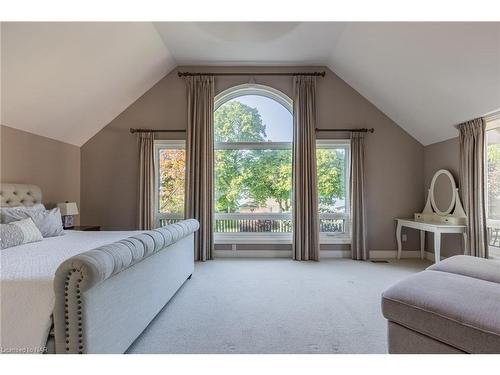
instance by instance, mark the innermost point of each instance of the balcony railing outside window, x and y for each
(264, 223)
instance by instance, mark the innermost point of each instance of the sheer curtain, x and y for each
(146, 179)
(472, 185)
(305, 196)
(199, 163)
(358, 199)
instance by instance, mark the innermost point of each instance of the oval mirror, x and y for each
(443, 190)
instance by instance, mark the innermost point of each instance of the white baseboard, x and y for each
(393, 254)
(324, 254)
(253, 254)
(332, 254)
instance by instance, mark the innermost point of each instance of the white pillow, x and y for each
(19, 233)
(9, 214)
(49, 222)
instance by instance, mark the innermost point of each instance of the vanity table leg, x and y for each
(422, 244)
(464, 235)
(398, 239)
(437, 247)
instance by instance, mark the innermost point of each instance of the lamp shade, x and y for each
(68, 208)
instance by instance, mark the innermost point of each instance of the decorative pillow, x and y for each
(49, 222)
(9, 214)
(19, 233)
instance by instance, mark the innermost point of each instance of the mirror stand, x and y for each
(452, 212)
(456, 217)
(443, 213)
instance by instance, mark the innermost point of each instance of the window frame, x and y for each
(286, 238)
(253, 89)
(165, 144)
(252, 238)
(344, 237)
(492, 123)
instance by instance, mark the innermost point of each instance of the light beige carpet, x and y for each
(277, 306)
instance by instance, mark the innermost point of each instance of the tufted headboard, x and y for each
(12, 195)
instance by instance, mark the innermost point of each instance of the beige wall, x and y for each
(443, 155)
(394, 160)
(31, 159)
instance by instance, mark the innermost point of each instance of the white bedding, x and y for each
(26, 292)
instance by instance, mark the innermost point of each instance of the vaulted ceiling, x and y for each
(68, 80)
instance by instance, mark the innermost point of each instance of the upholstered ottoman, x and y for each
(451, 307)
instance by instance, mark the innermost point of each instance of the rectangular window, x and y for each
(170, 167)
(333, 165)
(253, 192)
(257, 206)
(493, 185)
(244, 211)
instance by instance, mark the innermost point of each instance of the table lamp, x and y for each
(68, 210)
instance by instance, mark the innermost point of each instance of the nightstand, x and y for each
(86, 228)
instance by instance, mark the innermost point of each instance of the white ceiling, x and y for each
(67, 81)
(426, 77)
(250, 43)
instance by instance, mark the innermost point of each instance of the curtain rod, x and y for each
(360, 130)
(134, 130)
(315, 74)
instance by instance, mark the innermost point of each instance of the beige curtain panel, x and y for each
(472, 185)
(199, 163)
(305, 196)
(146, 180)
(358, 198)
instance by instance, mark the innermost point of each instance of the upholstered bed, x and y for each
(98, 290)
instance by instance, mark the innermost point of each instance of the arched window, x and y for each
(253, 126)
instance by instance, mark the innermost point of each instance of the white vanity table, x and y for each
(436, 228)
(443, 213)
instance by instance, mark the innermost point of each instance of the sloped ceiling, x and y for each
(68, 80)
(427, 77)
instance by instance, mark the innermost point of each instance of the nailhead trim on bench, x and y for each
(79, 308)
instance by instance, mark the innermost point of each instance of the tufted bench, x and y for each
(451, 307)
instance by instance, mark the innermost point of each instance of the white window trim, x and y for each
(259, 238)
(253, 89)
(160, 145)
(253, 146)
(285, 101)
(338, 238)
(286, 238)
(492, 122)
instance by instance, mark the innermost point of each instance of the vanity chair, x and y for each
(443, 213)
